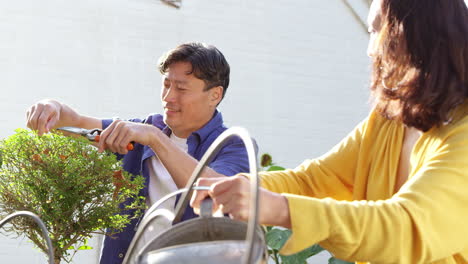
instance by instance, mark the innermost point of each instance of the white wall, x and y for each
(298, 81)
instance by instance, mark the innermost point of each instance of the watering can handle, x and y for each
(206, 207)
(254, 185)
(206, 159)
(42, 226)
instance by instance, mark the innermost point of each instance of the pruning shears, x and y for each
(91, 134)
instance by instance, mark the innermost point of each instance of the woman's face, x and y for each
(374, 22)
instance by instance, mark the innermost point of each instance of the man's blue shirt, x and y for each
(230, 160)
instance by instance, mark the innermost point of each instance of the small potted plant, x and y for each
(72, 187)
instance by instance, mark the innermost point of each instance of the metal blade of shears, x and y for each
(88, 133)
(75, 130)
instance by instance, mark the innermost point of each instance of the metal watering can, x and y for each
(205, 239)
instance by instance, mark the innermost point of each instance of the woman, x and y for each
(395, 190)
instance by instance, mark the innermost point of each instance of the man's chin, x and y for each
(170, 122)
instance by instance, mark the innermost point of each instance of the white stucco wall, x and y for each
(298, 81)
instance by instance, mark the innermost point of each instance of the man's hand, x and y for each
(43, 116)
(232, 196)
(120, 133)
(179, 164)
(48, 114)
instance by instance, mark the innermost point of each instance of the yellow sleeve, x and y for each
(424, 222)
(331, 175)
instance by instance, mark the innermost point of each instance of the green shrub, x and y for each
(72, 187)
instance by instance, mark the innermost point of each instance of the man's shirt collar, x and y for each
(215, 122)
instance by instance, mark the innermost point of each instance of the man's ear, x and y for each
(216, 94)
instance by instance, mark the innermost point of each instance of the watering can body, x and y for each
(203, 240)
(227, 252)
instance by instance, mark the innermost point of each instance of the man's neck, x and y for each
(187, 133)
(181, 134)
(177, 137)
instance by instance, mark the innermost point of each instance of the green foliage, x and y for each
(275, 168)
(276, 237)
(73, 188)
(266, 161)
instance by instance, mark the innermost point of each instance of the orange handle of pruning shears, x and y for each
(129, 146)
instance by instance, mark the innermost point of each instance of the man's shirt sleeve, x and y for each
(232, 158)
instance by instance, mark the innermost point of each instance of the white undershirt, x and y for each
(160, 184)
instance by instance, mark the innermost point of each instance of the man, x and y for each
(167, 147)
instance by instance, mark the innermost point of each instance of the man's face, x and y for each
(187, 106)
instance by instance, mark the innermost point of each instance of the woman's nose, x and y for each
(371, 48)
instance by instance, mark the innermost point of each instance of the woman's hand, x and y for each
(232, 196)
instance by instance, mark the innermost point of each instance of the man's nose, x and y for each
(168, 94)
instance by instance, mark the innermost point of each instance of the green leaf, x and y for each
(302, 256)
(277, 237)
(85, 247)
(275, 168)
(314, 250)
(333, 260)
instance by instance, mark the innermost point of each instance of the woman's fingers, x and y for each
(234, 196)
(200, 195)
(231, 194)
(237, 207)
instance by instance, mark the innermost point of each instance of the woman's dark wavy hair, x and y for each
(420, 67)
(208, 63)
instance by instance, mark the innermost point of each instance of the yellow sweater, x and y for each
(345, 200)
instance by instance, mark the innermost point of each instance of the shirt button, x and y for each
(121, 255)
